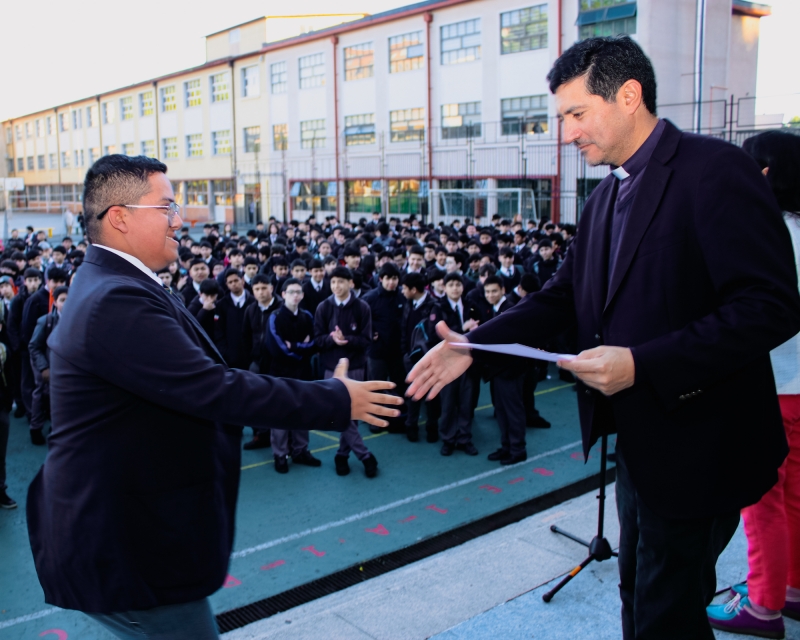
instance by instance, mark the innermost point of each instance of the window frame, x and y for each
(314, 141)
(193, 93)
(359, 53)
(471, 28)
(279, 70)
(251, 89)
(220, 87)
(542, 35)
(416, 61)
(313, 61)
(409, 133)
(219, 146)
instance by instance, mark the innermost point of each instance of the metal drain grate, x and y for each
(241, 616)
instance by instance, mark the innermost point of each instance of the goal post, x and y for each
(479, 205)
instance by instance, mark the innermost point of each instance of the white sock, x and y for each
(793, 594)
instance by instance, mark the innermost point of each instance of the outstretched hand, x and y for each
(366, 401)
(440, 366)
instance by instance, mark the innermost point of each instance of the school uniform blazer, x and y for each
(703, 288)
(134, 505)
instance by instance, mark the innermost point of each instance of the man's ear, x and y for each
(118, 218)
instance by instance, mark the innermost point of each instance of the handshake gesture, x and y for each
(366, 401)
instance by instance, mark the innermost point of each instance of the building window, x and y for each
(312, 71)
(359, 61)
(91, 115)
(20, 164)
(408, 196)
(10, 166)
(407, 124)
(250, 86)
(28, 130)
(523, 29)
(461, 42)
(606, 18)
(49, 121)
(363, 196)
(18, 131)
(168, 98)
(193, 92)
(220, 87)
(170, 146)
(126, 108)
(149, 148)
(278, 77)
(147, 105)
(221, 142)
(30, 163)
(197, 193)
(63, 122)
(65, 159)
(94, 154)
(313, 196)
(222, 191)
(127, 148)
(406, 52)
(359, 129)
(194, 145)
(109, 113)
(109, 149)
(39, 131)
(252, 139)
(9, 135)
(40, 162)
(461, 120)
(52, 160)
(78, 157)
(312, 134)
(280, 137)
(76, 119)
(524, 115)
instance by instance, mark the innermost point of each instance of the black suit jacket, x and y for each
(134, 506)
(229, 330)
(704, 287)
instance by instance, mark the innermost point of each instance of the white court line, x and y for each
(337, 523)
(28, 618)
(392, 505)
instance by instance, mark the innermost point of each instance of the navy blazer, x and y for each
(704, 287)
(134, 506)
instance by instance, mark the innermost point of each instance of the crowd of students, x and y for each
(291, 299)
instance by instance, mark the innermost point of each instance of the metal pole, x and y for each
(699, 52)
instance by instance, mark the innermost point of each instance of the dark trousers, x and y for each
(510, 412)
(455, 425)
(27, 381)
(433, 409)
(13, 374)
(351, 439)
(666, 567)
(529, 383)
(40, 399)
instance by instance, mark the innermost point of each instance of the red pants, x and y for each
(772, 525)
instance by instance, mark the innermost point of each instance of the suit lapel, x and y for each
(648, 198)
(599, 241)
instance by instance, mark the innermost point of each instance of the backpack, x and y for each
(418, 343)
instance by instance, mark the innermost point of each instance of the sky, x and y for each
(53, 52)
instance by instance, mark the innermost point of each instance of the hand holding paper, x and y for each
(607, 369)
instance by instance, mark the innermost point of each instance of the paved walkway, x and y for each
(490, 587)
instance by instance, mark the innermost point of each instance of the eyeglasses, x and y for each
(173, 209)
(293, 292)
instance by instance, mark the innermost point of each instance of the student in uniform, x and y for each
(204, 306)
(510, 272)
(343, 329)
(229, 327)
(455, 425)
(316, 288)
(40, 363)
(198, 271)
(254, 337)
(291, 344)
(506, 381)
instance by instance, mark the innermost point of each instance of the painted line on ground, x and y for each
(31, 616)
(397, 503)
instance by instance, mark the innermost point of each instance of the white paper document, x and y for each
(516, 350)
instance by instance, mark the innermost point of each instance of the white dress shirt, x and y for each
(134, 261)
(421, 300)
(238, 300)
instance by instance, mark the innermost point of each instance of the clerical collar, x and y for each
(638, 161)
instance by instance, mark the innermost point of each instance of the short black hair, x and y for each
(290, 281)
(299, 263)
(342, 272)
(32, 273)
(487, 268)
(59, 275)
(434, 275)
(453, 276)
(230, 271)
(59, 290)
(314, 264)
(507, 252)
(389, 270)
(260, 279)
(351, 249)
(529, 283)
(415, 281)
(250, 260)
(608, 63)
(210, 287)
(545, 242)
(197, 261)
(115, 179)
(494, 280)
(780, 151)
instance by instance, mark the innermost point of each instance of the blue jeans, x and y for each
(187, 621)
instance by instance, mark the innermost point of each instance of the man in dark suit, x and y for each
(131, 517)
(677, 304)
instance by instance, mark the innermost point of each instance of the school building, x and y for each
(439, 108)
